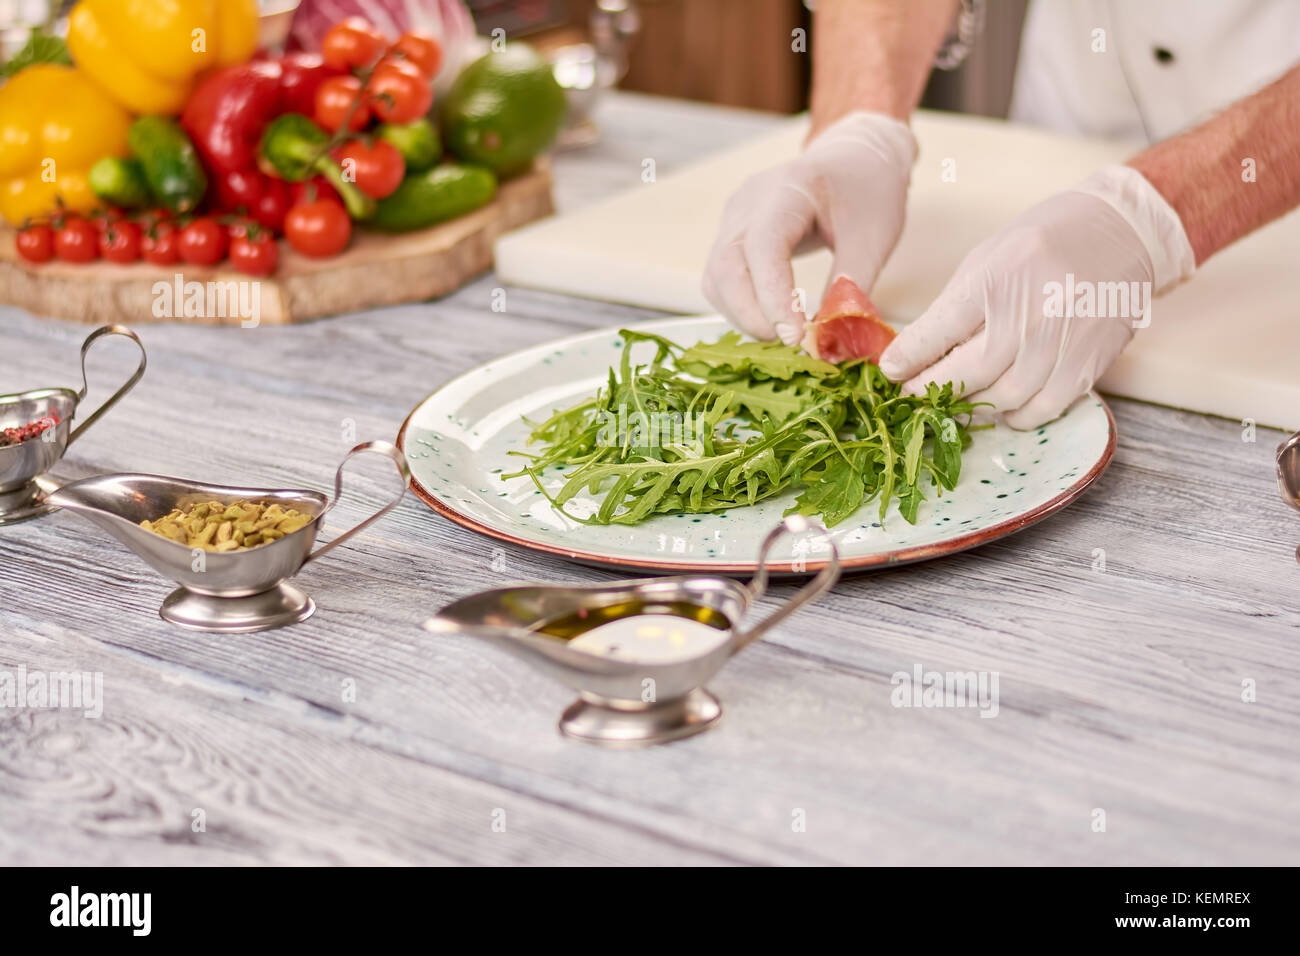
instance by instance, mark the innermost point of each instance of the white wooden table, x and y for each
(357, 738)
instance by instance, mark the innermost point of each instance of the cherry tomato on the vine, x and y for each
(203, 242)
(76, 240)
(159, 244)
(120, 242)
(253, 250)
(377, 168)
(421, 49)
(35, 242)
(319, 228)
(335, 99)
(352, 43)
(398, 92)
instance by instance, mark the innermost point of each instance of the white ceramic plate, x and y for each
(456, 442)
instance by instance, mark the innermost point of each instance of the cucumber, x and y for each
(417, 142)
(438, 194)
(171, 166)
(120, 182)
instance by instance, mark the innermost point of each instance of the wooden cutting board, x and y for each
(1225, 342)
(375, 270)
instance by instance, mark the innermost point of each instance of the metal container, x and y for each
(1288, 473)
(23, 488)
(275, 17)
(630, 703)
(586, 70)
(227, 592)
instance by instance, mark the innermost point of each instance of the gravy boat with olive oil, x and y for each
(23, 488)
(637, 652)
(234, 591)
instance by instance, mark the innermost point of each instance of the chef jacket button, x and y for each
(1163, 56)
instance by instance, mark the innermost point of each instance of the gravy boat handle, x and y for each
(379, 447)
(819, 585)
(126, 386)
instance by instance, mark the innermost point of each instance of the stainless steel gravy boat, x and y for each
(1288, 473)
(23, 488)
(629, 703)
(230, 592)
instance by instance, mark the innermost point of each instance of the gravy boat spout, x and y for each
(637, 652)
(234, 591)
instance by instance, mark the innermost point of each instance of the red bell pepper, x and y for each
(226, 117)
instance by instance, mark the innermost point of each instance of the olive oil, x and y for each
(643, 632)
(585, 619)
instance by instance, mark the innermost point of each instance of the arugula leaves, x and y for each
(763, 359)
(725, 424)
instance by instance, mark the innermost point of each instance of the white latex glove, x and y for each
(1010, 343)
(848, 189)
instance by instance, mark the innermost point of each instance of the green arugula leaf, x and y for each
(732, 423)
(836, 494)
(777, 400)
(769, 359)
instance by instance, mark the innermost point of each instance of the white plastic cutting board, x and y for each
(1226, 343)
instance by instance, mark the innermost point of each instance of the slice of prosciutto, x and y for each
(847, 326)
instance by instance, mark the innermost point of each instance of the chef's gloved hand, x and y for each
(1016, 342)
(848, 189)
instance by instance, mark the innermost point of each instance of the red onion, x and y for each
(448, 20)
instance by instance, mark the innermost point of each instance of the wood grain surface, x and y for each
(375, 270)
(356, 737)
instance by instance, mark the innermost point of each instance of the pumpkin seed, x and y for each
(236, 526)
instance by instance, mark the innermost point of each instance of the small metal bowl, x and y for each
(1288, 473)
(225, 592)
(23, 489)
(630, 703)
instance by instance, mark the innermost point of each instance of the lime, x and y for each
(503, 110)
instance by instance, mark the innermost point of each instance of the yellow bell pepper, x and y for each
(147, 53)
(54, 124)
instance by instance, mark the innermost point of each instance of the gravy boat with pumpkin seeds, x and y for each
(23, 487)
(232, 591)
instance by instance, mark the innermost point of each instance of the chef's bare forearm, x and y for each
(874, 55)
(1234, 173)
